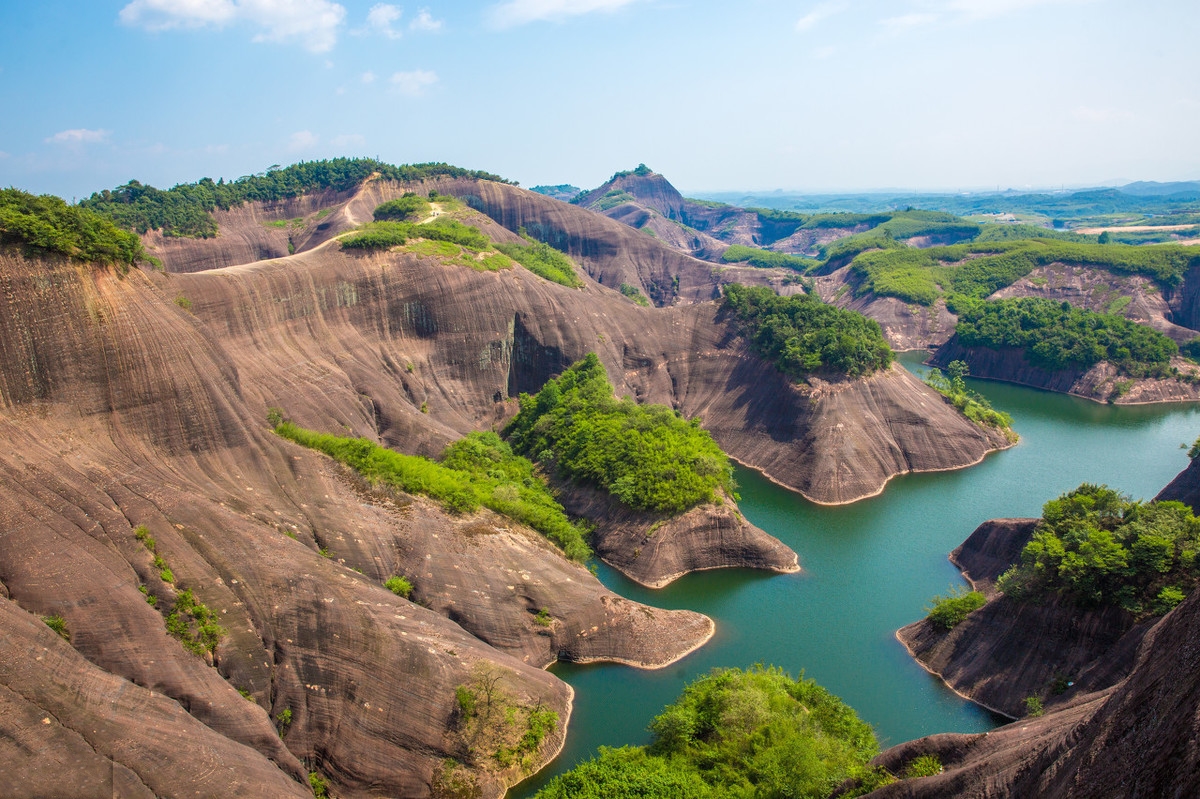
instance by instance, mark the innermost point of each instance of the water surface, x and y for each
(870, 568)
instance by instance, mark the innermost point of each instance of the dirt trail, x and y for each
(1092, 231)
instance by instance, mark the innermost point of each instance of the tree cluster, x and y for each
(802, 335)
(646, 456)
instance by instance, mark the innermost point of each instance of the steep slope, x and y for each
(1138, 738)
(1101, 382)
(1007, 651)
(122, 409)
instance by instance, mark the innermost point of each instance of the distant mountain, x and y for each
(1152, 188)
(563, 191)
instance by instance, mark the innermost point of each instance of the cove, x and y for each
(872, 567)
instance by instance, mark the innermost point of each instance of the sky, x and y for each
(837, 95)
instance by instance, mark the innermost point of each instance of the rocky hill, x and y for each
(1120, 715)
(221, 585)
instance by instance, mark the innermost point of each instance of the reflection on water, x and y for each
(871, 567)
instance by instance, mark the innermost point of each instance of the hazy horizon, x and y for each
(933, 96)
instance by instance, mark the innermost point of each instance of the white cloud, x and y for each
(161, 15)
(906, 22)
(820, 12)
(313, 22)
(381, 18)
(424, 22)
(347, 140)
(413, 83)
(78, 136)
(303, 140)
(368, 77)
(520, 12)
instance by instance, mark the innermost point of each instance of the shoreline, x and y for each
(943, 681)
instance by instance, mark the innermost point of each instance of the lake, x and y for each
(872, 567)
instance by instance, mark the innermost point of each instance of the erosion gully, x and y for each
(872, 567)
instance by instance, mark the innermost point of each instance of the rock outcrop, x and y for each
(1099, 383)
(1007, 650)
(1185, 487)
(1140, 737)
(656, 550)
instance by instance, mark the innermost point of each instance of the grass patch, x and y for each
(738, 253)
(399, 585)
(543, 260)
(951, 610)
(477, 470)
(635, 294)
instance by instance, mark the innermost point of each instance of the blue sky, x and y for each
(754, 95)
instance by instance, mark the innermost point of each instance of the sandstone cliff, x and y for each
(1007, 650)
(1099, 383)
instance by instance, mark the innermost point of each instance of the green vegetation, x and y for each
(1095, 547)
(477, 470)
(922, 766)
(399, 585)
(58, 624)
(186, 209)
(612, 198)
(1033, 707)
(952, 609)
(493, 723)
(802, 335)
(320, 787)
(646, 456)
(634, 293)
(444, 238)
(403, 209)
(194, 624)
(184, 303)
(543, 618)
(734, 734)
(283, 721)
(971, 404)
(1018, 232)
(765, 258)
(543, 260)
(983, 267)
(1058, 336)
(48, 224)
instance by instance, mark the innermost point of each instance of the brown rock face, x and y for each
(1139, 738)
(1100, 383)
(1185, 487)
(905, 326)
(1008, 650)
(655, 550)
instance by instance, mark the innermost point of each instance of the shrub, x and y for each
(410, 206)
(635, 294)
(320, 787)
(952, 609)
(398, 585)
(1033, 707)
(59, 625)
(543, 618)
(48, 224)
(765, 259)
(1096, 547)
(923, 766)
(970, 403)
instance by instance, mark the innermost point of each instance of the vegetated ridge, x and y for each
(1108, 702)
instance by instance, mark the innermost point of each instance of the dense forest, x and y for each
(802, 335)
(646, 456)
(733, 734)
(479, 469)
(1096, 547)
(186, 209)
(1057, 336)
(48, 224)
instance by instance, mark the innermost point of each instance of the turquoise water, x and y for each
(870, 568)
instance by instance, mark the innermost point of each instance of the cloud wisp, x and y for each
(78, 136)
(381, 19)
(522, 12)
(315, 23)
(414, 83)
(819, 13)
